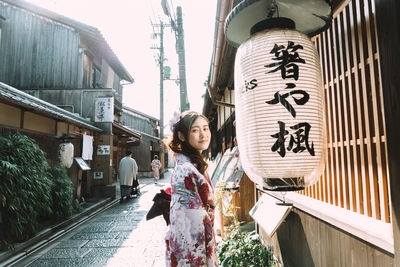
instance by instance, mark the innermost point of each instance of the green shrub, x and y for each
(61, 192)
(244, 249)
(77, 207)
(24, 188)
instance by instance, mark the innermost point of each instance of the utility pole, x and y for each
(180, 50)
(177, 26)
(161, 59)
(161, 64)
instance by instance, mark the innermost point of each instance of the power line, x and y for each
(172, 16)
(152, 10)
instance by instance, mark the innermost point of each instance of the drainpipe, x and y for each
(219, 41)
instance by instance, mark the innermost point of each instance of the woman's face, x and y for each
(199, 134)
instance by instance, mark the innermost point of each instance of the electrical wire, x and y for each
(173, 15)
(152, 10)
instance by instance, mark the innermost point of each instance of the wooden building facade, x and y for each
(55, 58)
(68, 64)
(350, 217)
(149, 145)
(45, 123)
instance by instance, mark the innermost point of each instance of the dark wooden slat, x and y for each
(42, 47)
(388, 23)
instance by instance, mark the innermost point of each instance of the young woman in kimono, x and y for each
(155, 166)
(190, 240)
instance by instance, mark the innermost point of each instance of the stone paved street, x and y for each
(120, 236)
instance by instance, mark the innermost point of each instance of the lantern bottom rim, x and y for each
(284, 184)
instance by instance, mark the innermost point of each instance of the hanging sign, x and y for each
(103, 150)
(104, 109)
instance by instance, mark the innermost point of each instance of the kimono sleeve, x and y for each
(195, 182)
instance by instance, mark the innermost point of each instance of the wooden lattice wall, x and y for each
(356, 174)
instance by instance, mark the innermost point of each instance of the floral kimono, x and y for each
(155, 166)
(190, 240)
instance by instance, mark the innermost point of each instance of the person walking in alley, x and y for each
(127, 171)
(190, 240)
(155, 166)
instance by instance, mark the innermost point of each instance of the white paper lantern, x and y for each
(279, 108)
(66, 154)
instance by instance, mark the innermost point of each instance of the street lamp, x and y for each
(279, 95)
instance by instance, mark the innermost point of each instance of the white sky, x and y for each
(126, 25)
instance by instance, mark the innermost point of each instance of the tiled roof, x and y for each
(19, 98)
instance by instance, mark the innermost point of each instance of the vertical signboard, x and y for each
(104, 109)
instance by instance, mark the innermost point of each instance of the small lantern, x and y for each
(66, 151)
(279, 95)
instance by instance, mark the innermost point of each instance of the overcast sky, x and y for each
(127, 27)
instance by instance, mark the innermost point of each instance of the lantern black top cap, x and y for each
(280, 23)
(65, 137)
(310, 16)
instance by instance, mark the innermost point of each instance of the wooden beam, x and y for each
(224, 104)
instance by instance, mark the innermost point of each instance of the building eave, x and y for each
(18, 98)
(125, 130)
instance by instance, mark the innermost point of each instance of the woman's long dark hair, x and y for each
(175, 144)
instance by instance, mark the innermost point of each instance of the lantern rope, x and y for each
(274, 8)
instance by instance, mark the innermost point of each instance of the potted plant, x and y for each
(244, 249)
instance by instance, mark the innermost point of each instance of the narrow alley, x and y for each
(279, 119)
(120, 236)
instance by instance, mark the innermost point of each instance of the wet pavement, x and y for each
(120, 236)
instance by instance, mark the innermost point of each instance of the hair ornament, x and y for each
(174, 120)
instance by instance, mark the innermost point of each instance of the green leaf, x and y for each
(244, 249)
(25, 186)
